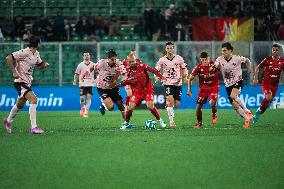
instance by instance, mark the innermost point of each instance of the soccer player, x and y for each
(127, 87)
(142, 89)
(174, 69)
(273, 67)
(85, 85)
(230, 67)
(208, 87)
(109, 70)
(26, 60)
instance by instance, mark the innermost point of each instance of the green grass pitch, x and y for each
(94, 153)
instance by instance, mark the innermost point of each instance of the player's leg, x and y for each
(170, 102)
(128, 96)
(82, 104)
(88, 94)
(128, 114)
(154, 111)
(121, 107)
(237, 107)
(269, 93)
(30, 96)
(88, 104)
(15, 109)
(108, 104)
(198, 113)
(176, 92)
(213, 102)
(235, 96)
(117, 99)
(22, 90)
(82, 101)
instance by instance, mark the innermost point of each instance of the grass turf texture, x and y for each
(94, 153)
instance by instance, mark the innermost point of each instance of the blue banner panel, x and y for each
(54, 98)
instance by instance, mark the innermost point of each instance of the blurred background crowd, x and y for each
(152, 20)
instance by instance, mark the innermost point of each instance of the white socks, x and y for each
(238, 100)
(88, 104)
(242, 113)
(13, 113)
(32, 111)
(171, 113)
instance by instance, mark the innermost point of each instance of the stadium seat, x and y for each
(8, 39)
(136, 38)
(126, 38)
(116, 38)
(85, 38)
(76, 38)
(106, 38)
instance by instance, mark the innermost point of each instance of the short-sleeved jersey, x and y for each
(207, 78)
(138, 78)
(173, 70)
(108, 75)
(231, 69)
(88, 81)
(272, 70)
(26, 61)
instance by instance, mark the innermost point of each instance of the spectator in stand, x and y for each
(114, 26)
(50, 30)
(216, 12)
(238, 13)
(260, 30)
(280, 32)
(99, 26)
(159, 24)
(83, 27)
(19, 26)
(148, 16)
(186, 14)
(168, 14)
(8, 27)
(59, 27)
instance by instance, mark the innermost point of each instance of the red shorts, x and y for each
(138, 95)
(269, 89)
(205, 93)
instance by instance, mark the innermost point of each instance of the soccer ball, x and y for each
(150, 124)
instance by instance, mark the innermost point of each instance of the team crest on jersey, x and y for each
(234, 64)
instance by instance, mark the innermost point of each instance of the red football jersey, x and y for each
(206, 78)
(272, 70)
(137, 77)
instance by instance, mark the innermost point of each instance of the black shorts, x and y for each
(238, 85)
(114, 94)
(22, 88)
(176, 91)
(86, 90)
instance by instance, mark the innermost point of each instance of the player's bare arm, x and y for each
(10, 64)
(43, 65)
(190, 78)
(255, 76)
(248, 63)
(76, 76)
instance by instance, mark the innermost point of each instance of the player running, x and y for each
(127, 87)
(273, 67)
(109, 71)
(86, 85)
(26, 60)
(208, 87)
(142, 89)
(230, 67)
(174, 69)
